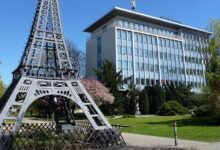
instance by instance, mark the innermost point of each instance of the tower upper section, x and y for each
(46, 54)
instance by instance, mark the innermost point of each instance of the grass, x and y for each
(200, 129)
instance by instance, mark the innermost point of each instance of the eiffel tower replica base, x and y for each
(28, 90)
(46, 70)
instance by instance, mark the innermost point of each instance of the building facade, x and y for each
(151, 50)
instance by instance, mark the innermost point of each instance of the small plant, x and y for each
(172, 108)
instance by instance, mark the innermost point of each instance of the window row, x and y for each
(144, 38)
(152, 82)
(146, 28)
(171, 57)
(170, 43)
(194, 72)
(194, 37)
(193, 60)
(124, 35)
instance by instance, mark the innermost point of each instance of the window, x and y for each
(171, 43)
(119, 49)
(118, 34)
(136, 26)
(120, 23)
(142, 66)
(156, 68)
(146, 28)
(125, 23)
(145, 38)
(130, 65)
(163, 43)
(124, 35)
(137, 81)
(149, 39)
(151, 67)
(125, 65)
(129, 36)
(135, 37)
(141, 27)
(124, 50)
(146, 67)
(136, 52)
(119, 64)
(141, 53)
(168, 42)
(142, 82)
(137, 66)
(131, 25)
(146, 53)
(129, 50)
(151, 54)
(140, 38)
(154, 41)
(150, 29)
(161, 55)
(155, 30)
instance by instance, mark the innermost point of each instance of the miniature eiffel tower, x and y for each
(45, 70)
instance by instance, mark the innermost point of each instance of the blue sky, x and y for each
(17, 15)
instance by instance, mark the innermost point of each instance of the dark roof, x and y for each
(138, 16)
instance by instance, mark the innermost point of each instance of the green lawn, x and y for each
(205, 129)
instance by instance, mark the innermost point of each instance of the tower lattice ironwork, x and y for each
(45, 70)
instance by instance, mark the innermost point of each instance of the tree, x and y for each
(144, 104)
(211, 92)
(77, 58)
(156, 98)
(113, 80)
(109, 77)
(2, 86)
(98, 91)
(132, 96)
(181, 93)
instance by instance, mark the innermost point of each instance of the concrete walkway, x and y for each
(152, 141)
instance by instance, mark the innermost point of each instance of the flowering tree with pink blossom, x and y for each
(98, 91)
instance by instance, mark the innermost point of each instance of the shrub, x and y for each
(171, 108)
(202, 111)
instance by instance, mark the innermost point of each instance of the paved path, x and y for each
(154, 143)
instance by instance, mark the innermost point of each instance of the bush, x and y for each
(202, 111)
(172, 108)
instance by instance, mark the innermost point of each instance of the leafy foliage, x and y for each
(2, 88)
(109, 77)
(181, 93)
(131, 100)
(144, 104)
(98, 91)
(156, 98)
(113, 80)
(171, 108)
(211, 93)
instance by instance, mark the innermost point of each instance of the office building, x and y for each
(149, 49)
